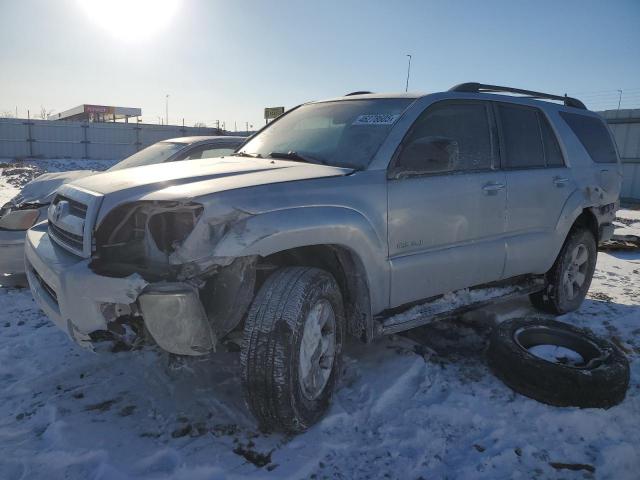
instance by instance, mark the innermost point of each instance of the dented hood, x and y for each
(194, 178)
(42, 188)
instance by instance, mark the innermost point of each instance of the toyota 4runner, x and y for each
(332, 221)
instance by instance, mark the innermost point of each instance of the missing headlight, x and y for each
(144, 233)
(171, 228)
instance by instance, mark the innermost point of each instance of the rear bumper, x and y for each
(80, 301)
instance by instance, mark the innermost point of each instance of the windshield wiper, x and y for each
(245, 154)
(297, 157)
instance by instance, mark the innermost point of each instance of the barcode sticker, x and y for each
(376, 119)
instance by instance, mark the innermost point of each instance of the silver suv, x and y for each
(336, 219)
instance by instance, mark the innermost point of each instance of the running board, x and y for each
(453, 304)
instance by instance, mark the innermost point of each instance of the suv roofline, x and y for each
(473, 89)
(193, 140)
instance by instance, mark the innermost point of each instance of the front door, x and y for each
(446, 204)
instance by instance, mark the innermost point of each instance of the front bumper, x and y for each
(80, 301)
(11, 256)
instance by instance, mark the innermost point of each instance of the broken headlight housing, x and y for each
(145, 233)
(17, 214)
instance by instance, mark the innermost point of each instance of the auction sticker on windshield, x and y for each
(376, 119)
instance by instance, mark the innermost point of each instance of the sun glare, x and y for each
(131, 20)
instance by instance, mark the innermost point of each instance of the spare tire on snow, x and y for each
(558, 364)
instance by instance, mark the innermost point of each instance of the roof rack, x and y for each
(359, 92)
(480, 88)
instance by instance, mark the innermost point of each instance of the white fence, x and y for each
(22, 138)
(625, 126)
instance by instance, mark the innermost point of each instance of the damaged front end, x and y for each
(188, 304)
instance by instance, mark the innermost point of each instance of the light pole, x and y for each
(406, 88)
(166, 109)
(619, 98)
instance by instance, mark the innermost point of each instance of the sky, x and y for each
(227, 60)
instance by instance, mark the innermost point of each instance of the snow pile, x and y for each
(629, 214)
(627, 225)
(424, 404)
(557, 354)
(16, 173)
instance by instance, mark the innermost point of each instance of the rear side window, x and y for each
(594, 136)
(448, 137)
(521, 137)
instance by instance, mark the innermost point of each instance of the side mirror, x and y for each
(428, 155)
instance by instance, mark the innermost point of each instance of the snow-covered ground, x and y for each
(421, 405)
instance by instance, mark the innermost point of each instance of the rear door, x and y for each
(446, 218)
(538, 186)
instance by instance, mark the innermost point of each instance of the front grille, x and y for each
(45, 286)
(71, 240)
(76, 208)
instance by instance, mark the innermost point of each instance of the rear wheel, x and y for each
(569, 279)
(291, 348)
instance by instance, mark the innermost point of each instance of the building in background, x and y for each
(97, 113)
(625, 126)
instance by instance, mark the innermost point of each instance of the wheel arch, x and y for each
(350, 236)
(575, 214)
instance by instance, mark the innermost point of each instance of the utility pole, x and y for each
(246, 126)
(406, 88)
(166, 109)
(619, 98)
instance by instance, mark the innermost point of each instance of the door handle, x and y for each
(492, 188)
(560, 181)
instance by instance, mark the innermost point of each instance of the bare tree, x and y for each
(44, 113)
(200, 125)
(7, 114)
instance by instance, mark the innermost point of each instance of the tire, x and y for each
(556, 298)
(274, 359)
(602, 382)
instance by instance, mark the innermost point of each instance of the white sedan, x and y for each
(30, 205)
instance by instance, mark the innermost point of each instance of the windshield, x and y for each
(343, 133)
(156, 153)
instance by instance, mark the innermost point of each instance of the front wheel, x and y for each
(569, 279)
(291, 348)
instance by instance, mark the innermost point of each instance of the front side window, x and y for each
(521, 137)
(156, 153)
(208, 151)
(594, 136)
(447, 137)
(343, 133)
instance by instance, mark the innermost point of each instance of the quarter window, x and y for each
(594, 136)
(448, 137)
(552, 152)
